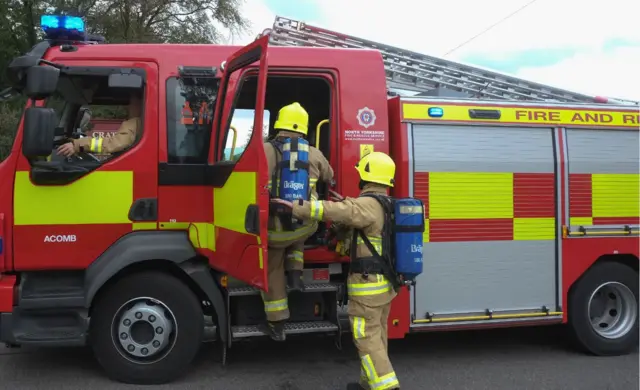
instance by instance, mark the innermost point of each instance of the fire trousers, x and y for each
(369, 304)
(291, 258)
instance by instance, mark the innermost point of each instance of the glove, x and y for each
(339, 231)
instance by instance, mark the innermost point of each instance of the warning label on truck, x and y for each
(364, 135)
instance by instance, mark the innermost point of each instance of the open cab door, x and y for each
(240, 195)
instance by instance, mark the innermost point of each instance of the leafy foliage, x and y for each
(118, 21)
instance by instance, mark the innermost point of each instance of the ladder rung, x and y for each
(390, 55)
(406, 69)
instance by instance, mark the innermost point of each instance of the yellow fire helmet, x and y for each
(293, 118)
(377, 167)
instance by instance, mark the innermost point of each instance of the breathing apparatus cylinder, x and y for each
(294, 174)
(408, 229)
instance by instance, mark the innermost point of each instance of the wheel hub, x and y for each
(613, 310)
(144, 329)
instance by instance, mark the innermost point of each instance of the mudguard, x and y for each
(137, 247)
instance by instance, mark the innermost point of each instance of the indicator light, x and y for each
(435, 112)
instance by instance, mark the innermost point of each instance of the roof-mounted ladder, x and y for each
(408, 70)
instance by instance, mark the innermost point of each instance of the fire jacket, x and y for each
(363, 213)
(122, 139)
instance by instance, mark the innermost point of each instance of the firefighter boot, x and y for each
(294, 280)
(276, 330)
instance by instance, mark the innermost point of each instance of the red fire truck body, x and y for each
(522, 222)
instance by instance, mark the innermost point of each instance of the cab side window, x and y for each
(189, 119)
(84, 98)
(240, 132)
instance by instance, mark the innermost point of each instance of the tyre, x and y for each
(603, 310)
(146, 329)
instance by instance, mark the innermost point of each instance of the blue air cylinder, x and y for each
(294, 174)
(408, 229)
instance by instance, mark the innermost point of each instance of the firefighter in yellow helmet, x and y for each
(286, 242)
(370, 291)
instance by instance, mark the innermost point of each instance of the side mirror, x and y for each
(84, 116)
(125, 80)
(38, 131)
(42, 81)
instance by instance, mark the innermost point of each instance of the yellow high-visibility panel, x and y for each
(71, 204)
(615, 195)
(455, 195)
(231, 201)
(534, 228)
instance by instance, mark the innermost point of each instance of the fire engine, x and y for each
(530, 194)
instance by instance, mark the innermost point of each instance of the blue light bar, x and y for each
(435, 112)
(69, 27)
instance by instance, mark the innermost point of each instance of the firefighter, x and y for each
(122, 139)
(286, 246)
(369, 286)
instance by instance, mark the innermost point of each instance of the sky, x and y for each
(242, 120)
(587, 47)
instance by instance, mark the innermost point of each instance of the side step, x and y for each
(54, 290)
(308, 288)
(64, 328)
(49, 312)
(242, 331)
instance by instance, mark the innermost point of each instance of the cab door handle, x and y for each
(252, 219)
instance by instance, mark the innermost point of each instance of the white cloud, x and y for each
(613, 74)
(436, 27)
(260, 17)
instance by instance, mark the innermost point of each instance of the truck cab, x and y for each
(186, 203)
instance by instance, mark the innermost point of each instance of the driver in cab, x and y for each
(122, 139)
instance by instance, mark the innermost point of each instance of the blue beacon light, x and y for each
(435, 112)
(71, 26)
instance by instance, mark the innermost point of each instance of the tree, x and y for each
(158, 21)
(265, 133)
(119, 21)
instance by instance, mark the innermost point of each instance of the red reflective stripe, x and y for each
(533, 195)
(580, 204)
(446, 230)
(421, 190)
(616, 220)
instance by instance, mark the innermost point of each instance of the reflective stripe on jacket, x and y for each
(122, 139)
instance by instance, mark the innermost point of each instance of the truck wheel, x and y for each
(146, 329)
(603, 310)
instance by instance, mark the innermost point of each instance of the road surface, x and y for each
(512, 359)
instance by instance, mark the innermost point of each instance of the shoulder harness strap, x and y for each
(386, 257)
(275, 175)
(294, 148)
